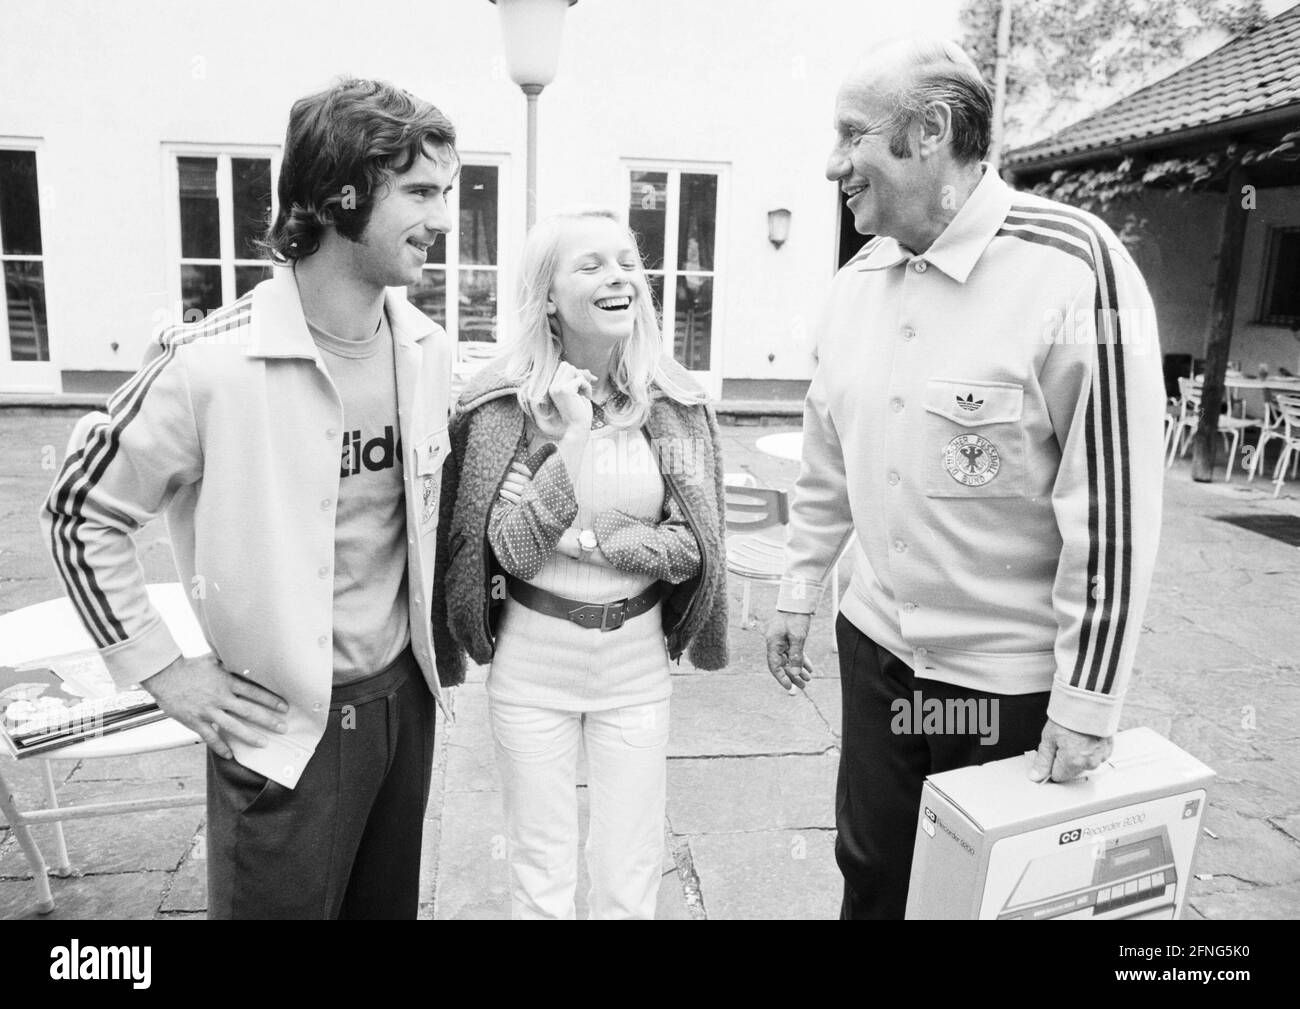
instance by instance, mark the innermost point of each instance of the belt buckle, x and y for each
(617, 607)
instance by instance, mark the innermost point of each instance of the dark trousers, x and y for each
(345, 843)
(882, 767)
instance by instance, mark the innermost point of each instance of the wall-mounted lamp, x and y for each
(778, 226)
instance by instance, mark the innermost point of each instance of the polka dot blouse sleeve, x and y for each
(524, 535)
(666, 549)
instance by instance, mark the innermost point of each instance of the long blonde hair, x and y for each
(533, 351)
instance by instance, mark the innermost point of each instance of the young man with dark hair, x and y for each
(294, 440)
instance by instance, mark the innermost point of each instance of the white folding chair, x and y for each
(1288, 406)
(1272, 428)
(1189, 418)
(1171, 421)
(752, 556)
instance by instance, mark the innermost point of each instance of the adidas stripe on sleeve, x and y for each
(1103, 381)
(121, 470)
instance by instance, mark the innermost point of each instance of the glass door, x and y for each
(674, 214)
(25, 364)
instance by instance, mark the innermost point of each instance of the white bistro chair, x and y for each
(1189, 418)
(756, 521)
(1288, 408)
(1273, 428)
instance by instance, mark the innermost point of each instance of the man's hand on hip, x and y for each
(786, 634)
(214, 702)
(1064, 754)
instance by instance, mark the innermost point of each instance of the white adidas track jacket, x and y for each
(987, 416)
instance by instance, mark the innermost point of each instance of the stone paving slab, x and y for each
(1224, 899)
(730, 795)
(471, 761)
(824, 695)
(1248, 849)
(472, 875)
(768, 875)
(1156, 719)
(187, 762)
(157, 839)
(739, 715)
(1260, 789)
(189, 885)
(1288, 824)
(1270, 631)
(1187, 650)
(672, 903)
(1210, 743)
(114, 896)
(26, 779)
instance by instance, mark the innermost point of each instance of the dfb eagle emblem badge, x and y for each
(972, 460)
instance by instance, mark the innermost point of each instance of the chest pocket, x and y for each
(974, 439)
(429, 455)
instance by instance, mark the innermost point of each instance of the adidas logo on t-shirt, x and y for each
(379, 453)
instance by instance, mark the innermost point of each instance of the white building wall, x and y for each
(1178, 253)
(746, 83)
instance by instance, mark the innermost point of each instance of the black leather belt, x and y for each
(607, 616)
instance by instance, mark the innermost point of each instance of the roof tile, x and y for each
(1250, 74)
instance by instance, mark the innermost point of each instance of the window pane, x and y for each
(437, 254)
(430, 295)
(478, 215)
(1284, 282)
(648, 214)
(691, 335)
(20, 208)
(696, 222)
(248, 277)
(25, 298)
(251, 178)
(478, 305)
(200, 230)
(656, 282)
(200, 290)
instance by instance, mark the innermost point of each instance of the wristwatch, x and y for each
(587, 542)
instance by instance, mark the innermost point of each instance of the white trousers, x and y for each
(537, 755)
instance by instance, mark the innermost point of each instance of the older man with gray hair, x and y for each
(986, 417)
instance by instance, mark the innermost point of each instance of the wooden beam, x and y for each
(1223, 309)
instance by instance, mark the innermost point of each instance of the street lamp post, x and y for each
(532, 30)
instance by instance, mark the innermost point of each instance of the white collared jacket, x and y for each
(987, 417)
(233, 427)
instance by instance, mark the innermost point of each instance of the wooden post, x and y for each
(1222, 311)
(1000, 83)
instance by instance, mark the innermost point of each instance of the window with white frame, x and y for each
(460, 289)
(226, 200)
(674, 214)
(1281, 301)
(26, 333)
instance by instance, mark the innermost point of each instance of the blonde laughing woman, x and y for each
(580, 553)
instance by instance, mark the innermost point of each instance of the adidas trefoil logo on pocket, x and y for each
(970, 402)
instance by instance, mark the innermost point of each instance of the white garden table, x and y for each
(53, 628)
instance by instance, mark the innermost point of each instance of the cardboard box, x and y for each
(1118, 843)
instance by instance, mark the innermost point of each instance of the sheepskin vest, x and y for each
(487, 432)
